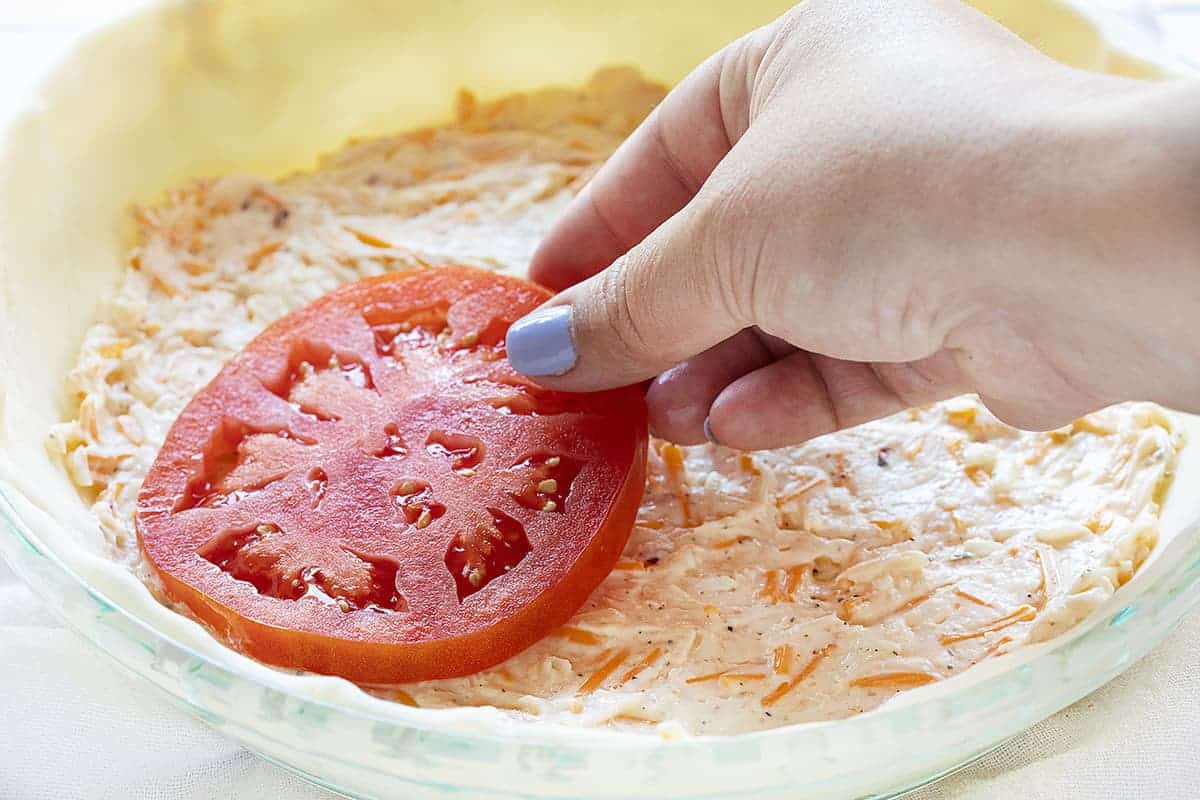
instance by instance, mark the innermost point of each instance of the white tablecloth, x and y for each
(73, 726)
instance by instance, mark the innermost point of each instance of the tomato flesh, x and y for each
(370, 490)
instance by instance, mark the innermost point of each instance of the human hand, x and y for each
(867, 206)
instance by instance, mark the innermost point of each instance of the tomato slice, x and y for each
(370, 490)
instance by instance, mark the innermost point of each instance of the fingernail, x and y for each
(540, 343)
(708, 434)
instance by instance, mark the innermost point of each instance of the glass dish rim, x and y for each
(995, 721)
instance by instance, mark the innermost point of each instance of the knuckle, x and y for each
(738, 249)
(900, 319)
(626, 313)
(671, 144)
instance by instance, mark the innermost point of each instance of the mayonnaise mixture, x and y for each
(757, 590)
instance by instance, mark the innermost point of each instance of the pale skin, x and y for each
(870, 205)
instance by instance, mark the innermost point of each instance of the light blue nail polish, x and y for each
(540, 343)
(708, 434)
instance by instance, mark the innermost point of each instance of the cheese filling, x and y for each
(757, 590)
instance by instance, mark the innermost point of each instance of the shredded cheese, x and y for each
(672, 458)
(781, 660)
(784, 688)
(970, 598)
(597, 678)
(640, 666)
(578, 635)
(1023, 614)
(895, 680)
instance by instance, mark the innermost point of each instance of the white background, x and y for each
(73, 726)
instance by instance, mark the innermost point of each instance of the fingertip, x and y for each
(680, 398)
(1026, 417)
(781, 404)
(674, 413)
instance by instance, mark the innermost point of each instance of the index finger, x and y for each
(650, 177)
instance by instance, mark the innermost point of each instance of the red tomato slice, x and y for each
(369, 489)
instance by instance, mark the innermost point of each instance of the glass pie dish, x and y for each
(190, 89)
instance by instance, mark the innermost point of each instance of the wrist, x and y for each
(1153, 141)
(1127, 273)
(1097, 256)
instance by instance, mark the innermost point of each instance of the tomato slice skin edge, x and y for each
(518, 620)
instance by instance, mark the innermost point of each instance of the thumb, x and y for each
(664, 301)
